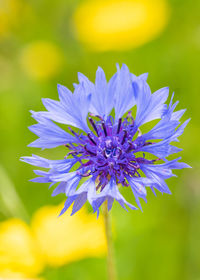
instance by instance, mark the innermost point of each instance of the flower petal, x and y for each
(63, 165)
(124, 97)
(67, 111)
(161, 149)
(149, 106)
(179, 131)
(138, 187)
(71, 104)
(163, 129)
(85, 192)
(50, 135)
(72, 179)
(110, 192)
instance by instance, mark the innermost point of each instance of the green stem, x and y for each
(110, 256)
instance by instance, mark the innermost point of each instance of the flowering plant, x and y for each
(106, 148)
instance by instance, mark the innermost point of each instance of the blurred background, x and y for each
(45, 42)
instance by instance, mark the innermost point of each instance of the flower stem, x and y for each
(110, 256)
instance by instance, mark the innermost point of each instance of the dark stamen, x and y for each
(156, 159)
(120, 152)
(148, 143)
(104, 128)
(105, 164)
(119, 125)
(72, 153)
(125, 135)
(137, 173)
(104, 153)
(90, 152)
(94, 126)
(103, 186)
(98, 186)
(136, 166)
(129, 147)
(72, 131)
(85, 174)
(92, 140)
(99, 117)
(75, 134)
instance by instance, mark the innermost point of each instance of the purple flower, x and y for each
(106, 147)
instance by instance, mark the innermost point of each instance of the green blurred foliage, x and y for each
(163, 242)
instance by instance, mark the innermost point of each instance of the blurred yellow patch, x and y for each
(19, 253)
(11, 12)
(118, 24)
(16, 276)
(41, 60)
(51, 240)
(68, 238)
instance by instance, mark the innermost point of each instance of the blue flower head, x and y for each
(108, 150)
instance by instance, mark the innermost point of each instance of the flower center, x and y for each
(108, 151)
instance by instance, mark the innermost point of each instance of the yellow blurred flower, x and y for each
(11, 13)
(19, 253)
(50, 240)
(8, 11)
(41, 60)
(120, 24)
(16, 276)
(68, 238)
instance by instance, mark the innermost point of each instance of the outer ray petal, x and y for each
(50, 135)
(149, 106)
(86, 192)
(138, 187)
(163, 129)
(67, 111)
(161, 149)
(110, 192)
(63, 165)
(71, 104)
(124, 97)
(102, 99)
(159, 172)
(179, 131)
